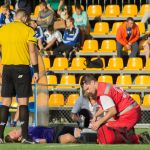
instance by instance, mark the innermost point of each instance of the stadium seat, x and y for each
(52, 79)
(115, 63)
(115, 27)
(146, 101)
(129, 11)
(0, 100)
(78, 64)
(134, 64)
(60, 63)
(141, 26)
(46, 61)
(112, 11)
(144, 8)
(14, 105)
(105, 78)
(94, 11)
(73, 8)
(142, 82)
(36, 11)
(90, 46)
(67, 79)
(56, 100)
(136, 97)
(147, 66)
(108, 46)
(72, 99)
(101, 28)
(123, 80)
(103, 61)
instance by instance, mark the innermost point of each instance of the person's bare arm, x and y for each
(33, 51)
(50, 44)
(111, 112)
(40, 45)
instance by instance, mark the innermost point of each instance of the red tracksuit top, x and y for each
(121, 98)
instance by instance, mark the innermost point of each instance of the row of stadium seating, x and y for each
(115, 63)
(107, 45)
(110, 11)
(58, 100)
(101, 28)
(125, 81)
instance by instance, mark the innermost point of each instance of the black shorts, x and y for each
(16, 80)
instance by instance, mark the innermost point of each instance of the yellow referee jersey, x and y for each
(14, 38)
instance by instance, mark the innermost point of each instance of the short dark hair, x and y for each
(87, 79)
(78, 6)
(130, 19)
(8, 139)
(50, 27)
(43, 3)
(71, 19)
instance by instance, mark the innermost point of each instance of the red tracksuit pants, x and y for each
(113, 132)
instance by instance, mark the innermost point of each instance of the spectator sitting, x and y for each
(127, 35)
(45, 17)
(64, 13)
(53, 38)
(54, 4)
(81, 21)
(7, 15)
(71, 39)
(39, 33)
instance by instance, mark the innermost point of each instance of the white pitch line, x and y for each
(62, 145)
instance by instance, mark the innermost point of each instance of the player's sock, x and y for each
(4, 110)
(24, 119)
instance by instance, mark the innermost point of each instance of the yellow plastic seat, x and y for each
(31, 99)
(94, 11)
(136, 97)
(67, 79)
(108, 46)
(37, 10)
(123, 80)
(129, 11)
(142, 82)
(144, 9)
(60, 63)
(78, 64)
(105, 78)
(115, 63)
(56, 100)
(115, 27)
(146, 101)
(46, 61)
(73, 8)
(147, 66)
(103, 61)
(112, 11)
(52, 79)
(141, 26)
(101, 28)
(134, 63)
(71, 100)
(90, 46)
(14, 105)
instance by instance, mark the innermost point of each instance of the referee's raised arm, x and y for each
(18, 46)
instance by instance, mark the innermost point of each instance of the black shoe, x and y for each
(1, 141)
(145, 138)
(27, 141)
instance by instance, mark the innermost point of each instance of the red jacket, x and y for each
(121, 36)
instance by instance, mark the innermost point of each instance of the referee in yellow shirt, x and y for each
(18, 46)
